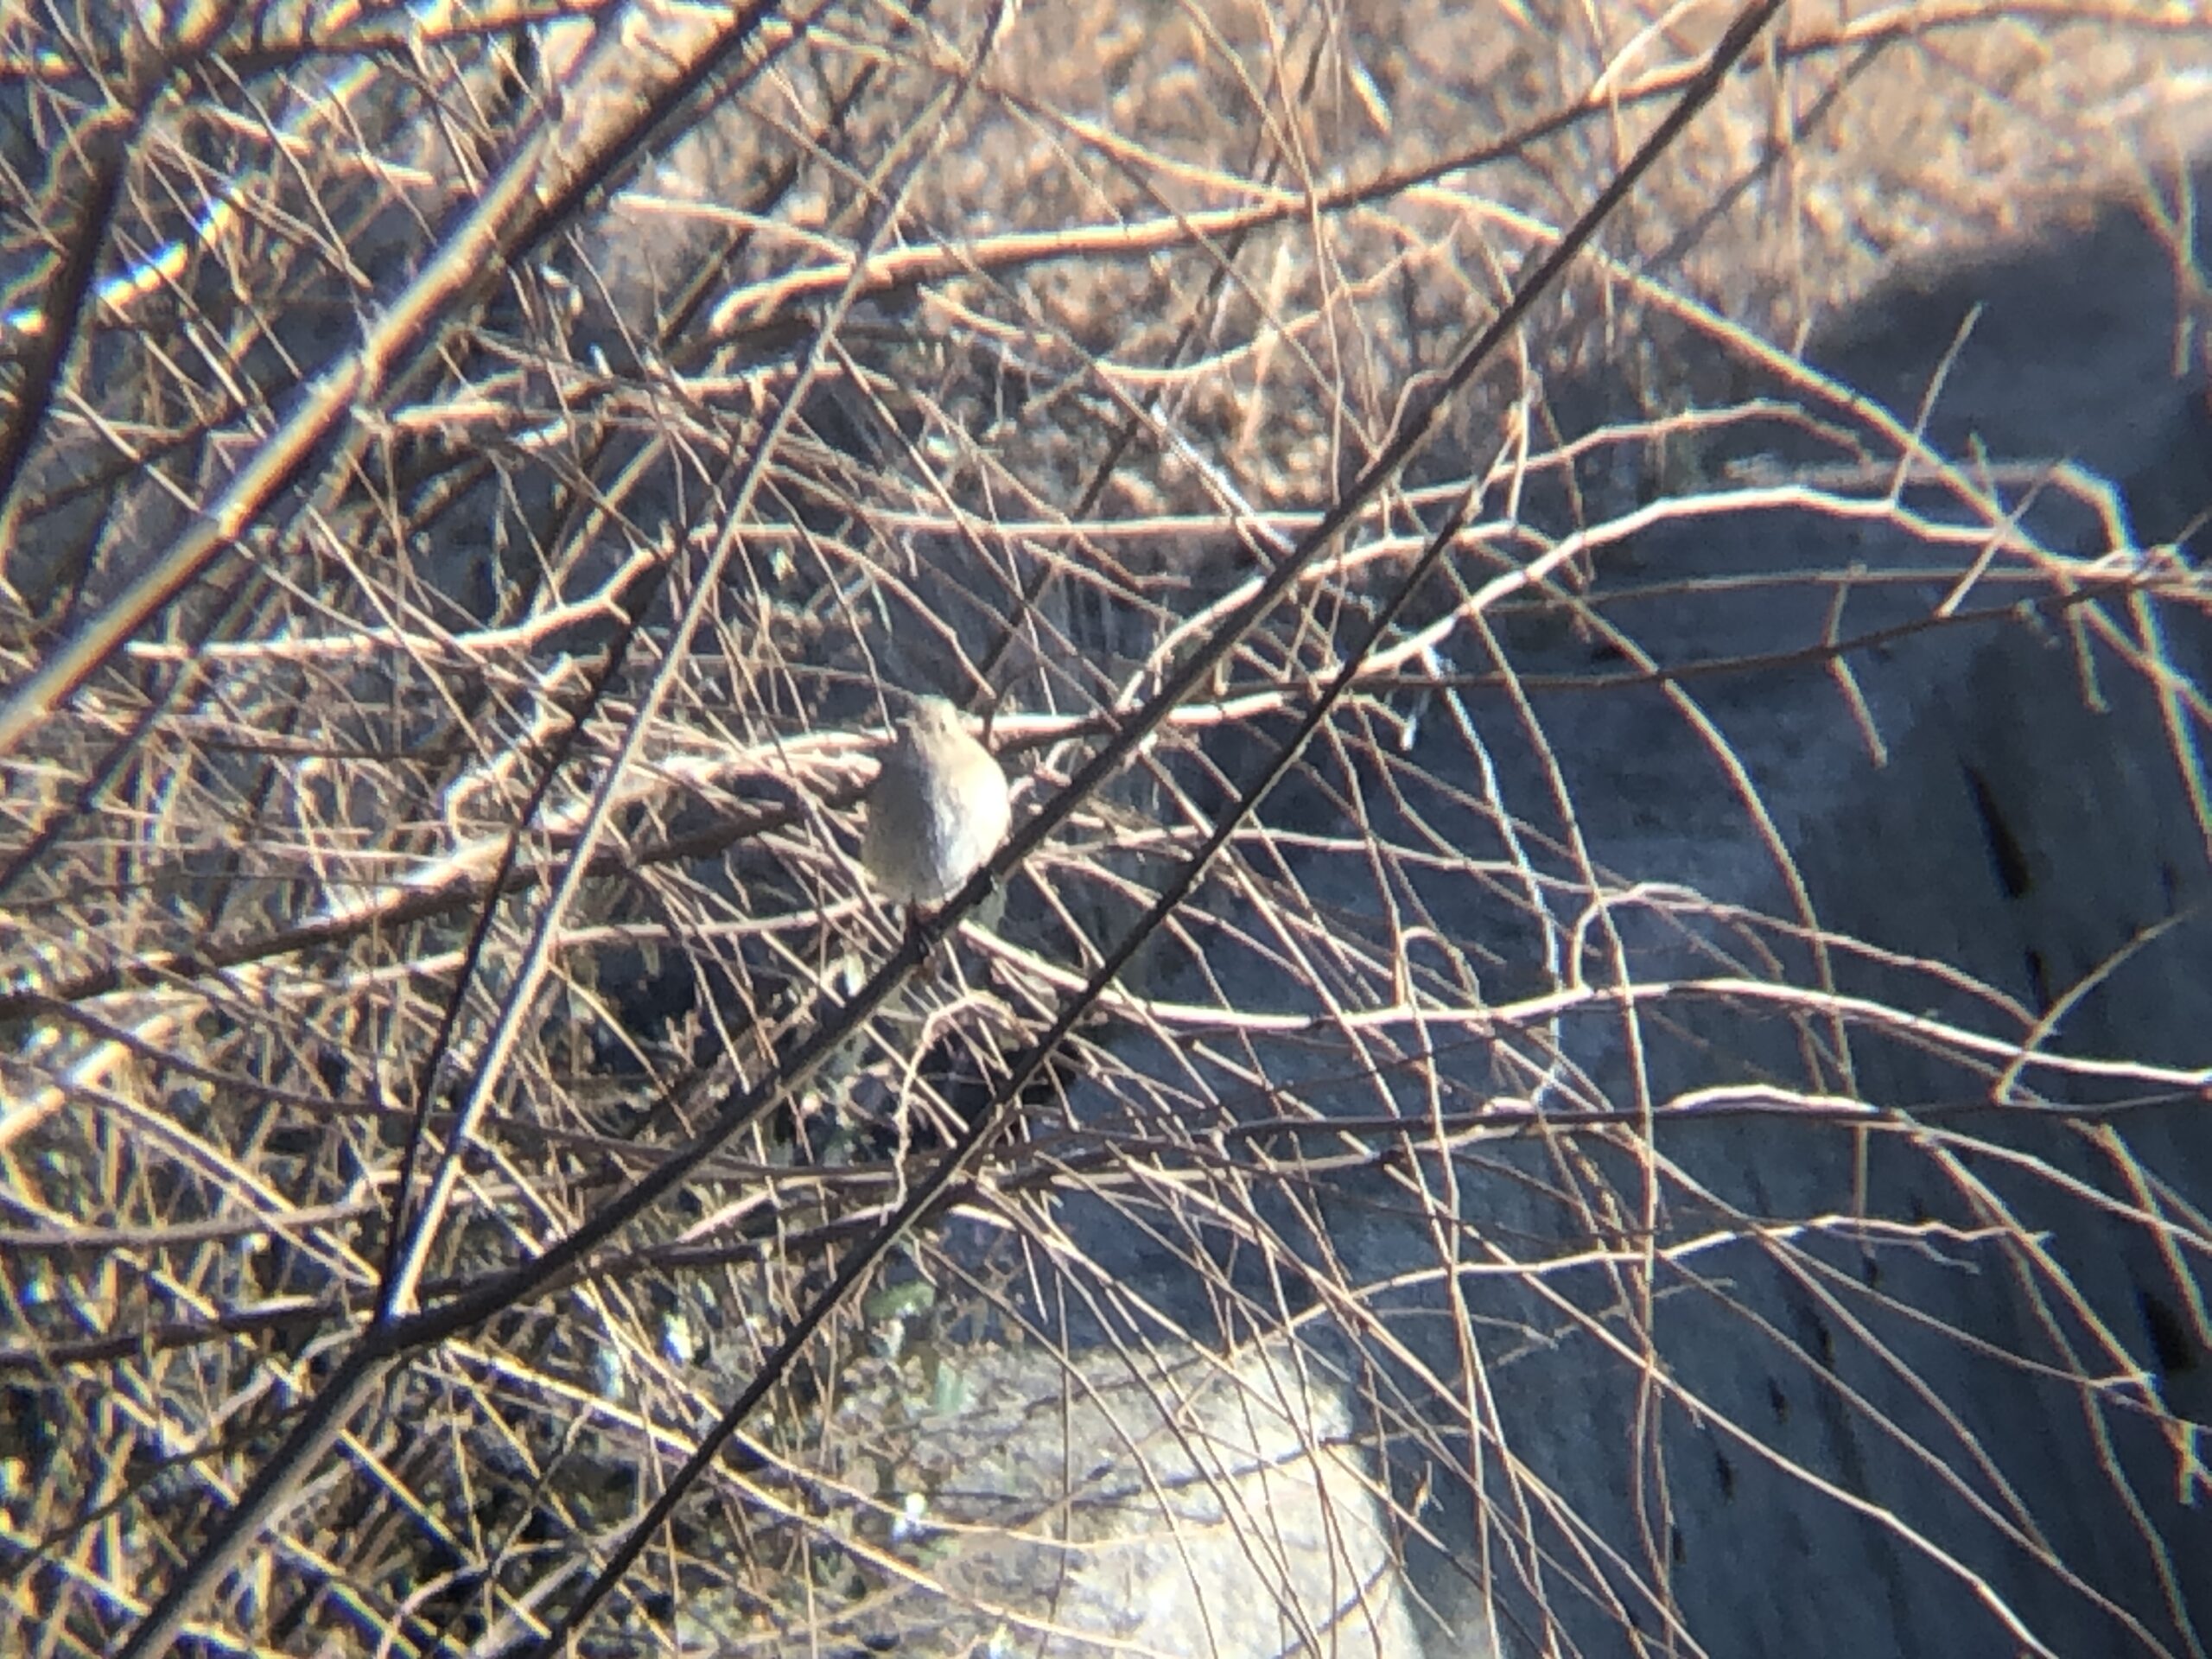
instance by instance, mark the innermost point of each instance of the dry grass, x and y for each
(464, 493)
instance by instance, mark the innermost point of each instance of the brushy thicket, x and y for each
(472, 487)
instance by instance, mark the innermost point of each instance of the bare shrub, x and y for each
(1576, 1166)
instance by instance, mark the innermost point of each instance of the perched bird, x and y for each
(937, 811)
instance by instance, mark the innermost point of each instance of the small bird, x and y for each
(937, 811)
